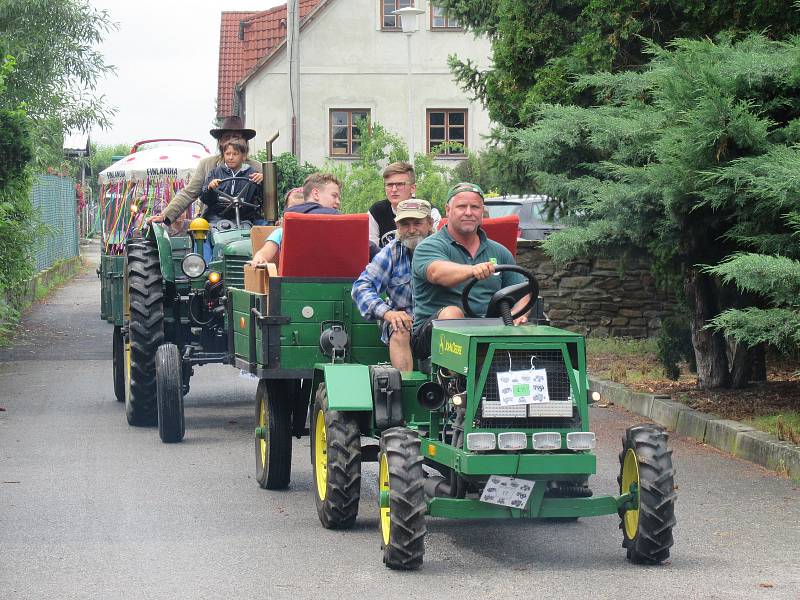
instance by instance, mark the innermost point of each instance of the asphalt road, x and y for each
(92, 508)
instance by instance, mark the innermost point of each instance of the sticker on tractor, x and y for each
(507, 491)
(522, 387)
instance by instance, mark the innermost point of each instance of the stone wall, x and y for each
(598, 296)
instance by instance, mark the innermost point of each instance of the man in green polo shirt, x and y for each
(446, 261)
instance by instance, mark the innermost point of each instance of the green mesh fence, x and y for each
(54, 198)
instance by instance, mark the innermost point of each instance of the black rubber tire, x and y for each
(407, 503)
(169, 394)
(274, 466)
(118, 363)
(653, 539)
(145, 331)
(338, 508)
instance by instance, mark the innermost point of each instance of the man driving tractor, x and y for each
(446, 261)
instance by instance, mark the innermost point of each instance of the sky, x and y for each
(166, 53)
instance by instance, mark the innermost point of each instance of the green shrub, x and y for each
(675, 345)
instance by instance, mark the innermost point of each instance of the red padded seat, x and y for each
(503, 230)
(324, 245)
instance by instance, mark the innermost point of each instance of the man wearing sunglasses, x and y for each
(399, 183)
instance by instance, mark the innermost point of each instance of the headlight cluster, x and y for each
(517, 440)
(193, 265)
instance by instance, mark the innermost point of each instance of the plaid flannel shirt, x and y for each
(390, 272)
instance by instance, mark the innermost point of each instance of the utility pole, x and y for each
(293, 56)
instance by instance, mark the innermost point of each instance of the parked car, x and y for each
(533, 221)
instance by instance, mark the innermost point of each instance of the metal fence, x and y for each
(54, 198)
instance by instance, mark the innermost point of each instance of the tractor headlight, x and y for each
(595, 396)
(193, 265)
(481, 441)
(548, 440)
(581, 440)
(512, 440)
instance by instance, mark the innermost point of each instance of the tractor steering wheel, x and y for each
(504, 299)
(235, 201)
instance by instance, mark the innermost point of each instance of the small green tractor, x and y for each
(450, 439)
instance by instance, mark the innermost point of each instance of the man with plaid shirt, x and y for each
(390, 272)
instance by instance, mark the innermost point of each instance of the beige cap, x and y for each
(413, 208)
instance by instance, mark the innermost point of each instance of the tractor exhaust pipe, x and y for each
(269, 207)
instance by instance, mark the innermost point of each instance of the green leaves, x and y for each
(57, 67)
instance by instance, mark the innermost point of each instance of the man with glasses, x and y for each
(399, 182)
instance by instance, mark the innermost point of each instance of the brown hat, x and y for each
(233, 124)
(413, 209)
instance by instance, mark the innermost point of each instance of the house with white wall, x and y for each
(353, 64)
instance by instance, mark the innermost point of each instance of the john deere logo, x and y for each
(448, 346)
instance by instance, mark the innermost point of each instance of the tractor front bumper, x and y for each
(538, 465)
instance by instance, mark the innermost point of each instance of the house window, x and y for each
(389, 20)
(440, 20)
(447, 127)
(345, 140)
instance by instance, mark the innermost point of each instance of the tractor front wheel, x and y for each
(646, 469)
(336, 463)
(273, 436)
(145, 331)
(169, 393)
(403, 506)
(118, 362)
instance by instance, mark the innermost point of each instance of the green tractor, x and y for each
(131, 188)
(175, 297)
(496, 425)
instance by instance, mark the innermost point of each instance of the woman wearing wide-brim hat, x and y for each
(232, 127)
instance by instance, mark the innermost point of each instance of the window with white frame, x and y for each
(344, 136)
(447, 131)
(440, 19)
(389, 21)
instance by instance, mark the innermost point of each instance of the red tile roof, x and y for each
(244, 38)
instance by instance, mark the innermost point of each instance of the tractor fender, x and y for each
(164, 252)
(348, 386)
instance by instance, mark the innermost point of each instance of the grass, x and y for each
(786, 426)
(772, 406)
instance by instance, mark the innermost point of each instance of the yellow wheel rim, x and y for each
(383, 492)
(320, 455)
(262, 423)
(630, 476)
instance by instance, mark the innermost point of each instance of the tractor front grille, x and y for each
(234, 271)
(557, 385)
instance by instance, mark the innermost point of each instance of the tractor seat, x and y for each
(503, 230)
(324, 246)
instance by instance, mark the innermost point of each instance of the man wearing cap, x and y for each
(445, 262)
(390, 272)
(232, 127)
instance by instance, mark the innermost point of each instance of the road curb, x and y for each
(732, 437)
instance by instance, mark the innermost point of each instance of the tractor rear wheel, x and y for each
(118, 362)
(336, 463)
(403, 506)
(169, 392)
(646, 466)
(145, 331)
(273, 436)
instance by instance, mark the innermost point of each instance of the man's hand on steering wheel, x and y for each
(482, 270)
(512, 302)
